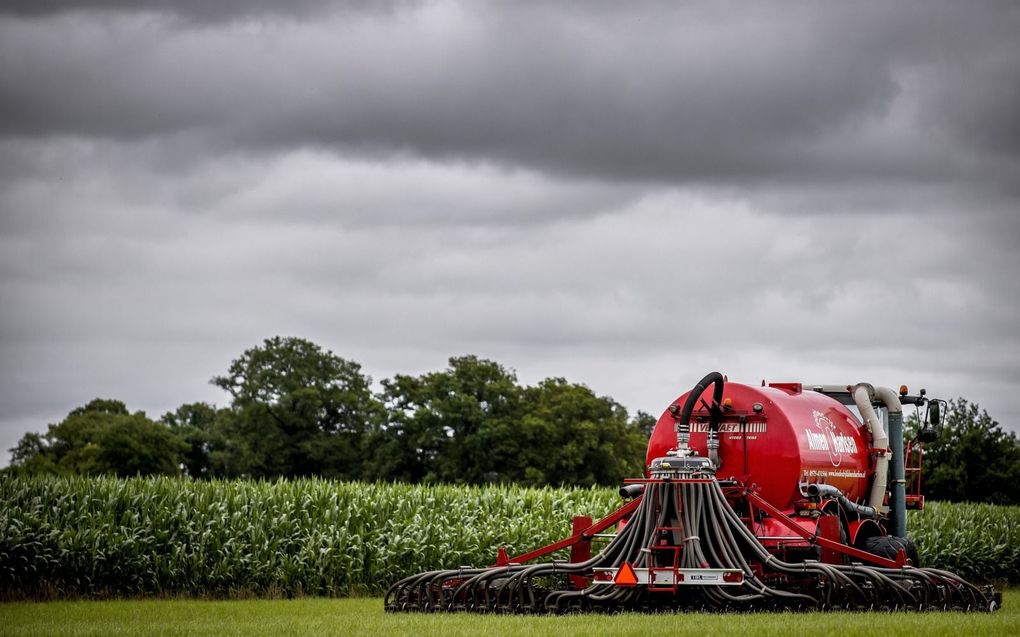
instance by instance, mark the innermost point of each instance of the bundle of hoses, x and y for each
(711, 535)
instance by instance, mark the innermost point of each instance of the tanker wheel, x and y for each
(888, 546)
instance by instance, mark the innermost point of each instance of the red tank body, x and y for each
(796, 437)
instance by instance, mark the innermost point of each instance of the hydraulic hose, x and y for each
(684, 423)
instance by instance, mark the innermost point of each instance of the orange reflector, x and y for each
(625, 576)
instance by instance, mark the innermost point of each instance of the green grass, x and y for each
(319, 617)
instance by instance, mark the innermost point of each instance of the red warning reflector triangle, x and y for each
(502, 559)
(626, 576)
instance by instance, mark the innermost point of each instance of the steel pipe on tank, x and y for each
(829, 491)
(898, 496)
(863, 395)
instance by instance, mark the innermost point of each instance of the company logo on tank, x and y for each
(824, 437)
(731, 427)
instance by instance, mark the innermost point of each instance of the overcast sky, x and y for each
(628, 195)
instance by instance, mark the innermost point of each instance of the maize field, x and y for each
(981, 542)
(99, 537)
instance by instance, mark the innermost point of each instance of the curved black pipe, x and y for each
(692, 400)
(631, 490)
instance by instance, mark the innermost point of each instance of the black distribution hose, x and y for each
(721, 556)
(695, 516)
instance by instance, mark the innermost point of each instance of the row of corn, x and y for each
(979, 541)
(74, 536)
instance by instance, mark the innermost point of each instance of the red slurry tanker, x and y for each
(783, 496)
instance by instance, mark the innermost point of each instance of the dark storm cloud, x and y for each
(197, 11)
(702, 93)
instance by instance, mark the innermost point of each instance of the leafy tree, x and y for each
(973, 459)
(645, 423)
(577, 437)
(296, 410)
(101, 438)
(442, 426)
(196, 424)
(473, 424)
(30, 455)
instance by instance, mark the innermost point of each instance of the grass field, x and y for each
(320, 617)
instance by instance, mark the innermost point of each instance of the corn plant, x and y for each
(72, 536)
(98, 536)
(977, 541)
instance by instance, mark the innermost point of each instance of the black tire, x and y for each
(889, 547)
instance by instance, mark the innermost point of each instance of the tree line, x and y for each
(298, 410)
(972, 460)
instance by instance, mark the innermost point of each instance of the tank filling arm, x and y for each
(863, 395)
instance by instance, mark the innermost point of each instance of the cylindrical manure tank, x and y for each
(792, 437)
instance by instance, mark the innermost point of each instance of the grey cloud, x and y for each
(86, 186)
(198, 11)
(632, 279)
(698, 94)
